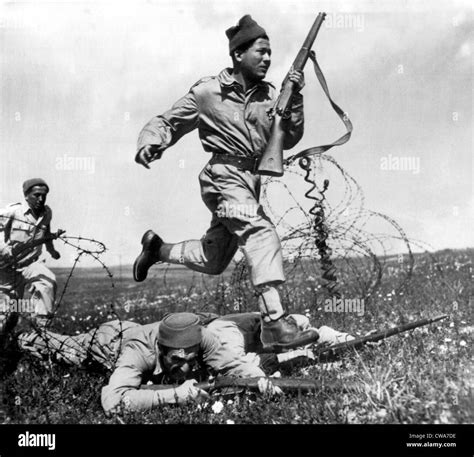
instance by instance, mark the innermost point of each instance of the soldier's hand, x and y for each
(6, 253)
(55, 255)
(188, 391)
(297, 77)
(58, 233)
(148, 154)
(266, 387)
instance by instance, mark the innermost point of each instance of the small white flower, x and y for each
(217, 407)
(351, 417)
(229, 421)
(230, 402)
(448, 340)
(462, 343)
(451, 324)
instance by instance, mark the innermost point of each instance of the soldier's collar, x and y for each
(26, 208)
(226, 79)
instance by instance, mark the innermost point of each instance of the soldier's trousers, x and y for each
(35, 279)
(232, 195)
(101, 345)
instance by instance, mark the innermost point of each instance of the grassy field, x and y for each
(423, 376)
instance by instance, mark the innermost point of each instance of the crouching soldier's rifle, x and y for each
(20, 250)
(331, 352)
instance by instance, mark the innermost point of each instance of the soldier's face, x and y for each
(36, 198)
(179, 363)
(255, 61)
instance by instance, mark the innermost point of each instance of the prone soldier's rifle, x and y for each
(232, 385)
(323, 353)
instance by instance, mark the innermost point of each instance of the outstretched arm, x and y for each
(163, 131)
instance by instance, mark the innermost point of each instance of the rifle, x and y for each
(330, 352)
(19, 249)
(234, 385)
(271, 163)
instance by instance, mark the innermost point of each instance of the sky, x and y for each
(80, 80)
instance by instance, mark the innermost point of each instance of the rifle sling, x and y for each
(342, 115)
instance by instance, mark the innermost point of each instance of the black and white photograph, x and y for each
(245, 219)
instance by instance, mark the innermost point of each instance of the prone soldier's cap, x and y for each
(180, 330)
(29, 183)
(246, 30)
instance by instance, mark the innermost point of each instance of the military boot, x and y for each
(150, 254)
(283, 334)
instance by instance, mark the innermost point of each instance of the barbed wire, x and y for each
(328, 239)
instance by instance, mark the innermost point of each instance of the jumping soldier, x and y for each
(230, 112)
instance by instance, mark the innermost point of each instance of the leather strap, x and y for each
(343, 116)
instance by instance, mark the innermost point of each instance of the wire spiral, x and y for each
(321, 230)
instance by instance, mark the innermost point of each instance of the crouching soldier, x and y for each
(24, 228)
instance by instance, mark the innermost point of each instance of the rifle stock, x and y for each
(271, 163)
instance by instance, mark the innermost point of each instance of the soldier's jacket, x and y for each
(229, 121)
(18, 226)
(139, 362)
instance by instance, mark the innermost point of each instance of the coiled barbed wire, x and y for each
(321, 230)
(331, 240)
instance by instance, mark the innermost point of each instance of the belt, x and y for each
(245, 163)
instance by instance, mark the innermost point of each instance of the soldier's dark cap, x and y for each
(180, 330)
(29, 183)
(245, 31)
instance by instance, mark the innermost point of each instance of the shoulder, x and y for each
(48, 212)
(11, 209)
(209, 340)
(204, 80)
(204, 85)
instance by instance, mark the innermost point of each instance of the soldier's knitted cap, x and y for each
(246, 30)
(29, 183)
(180, 330)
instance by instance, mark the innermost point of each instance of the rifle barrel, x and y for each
(379, 335)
